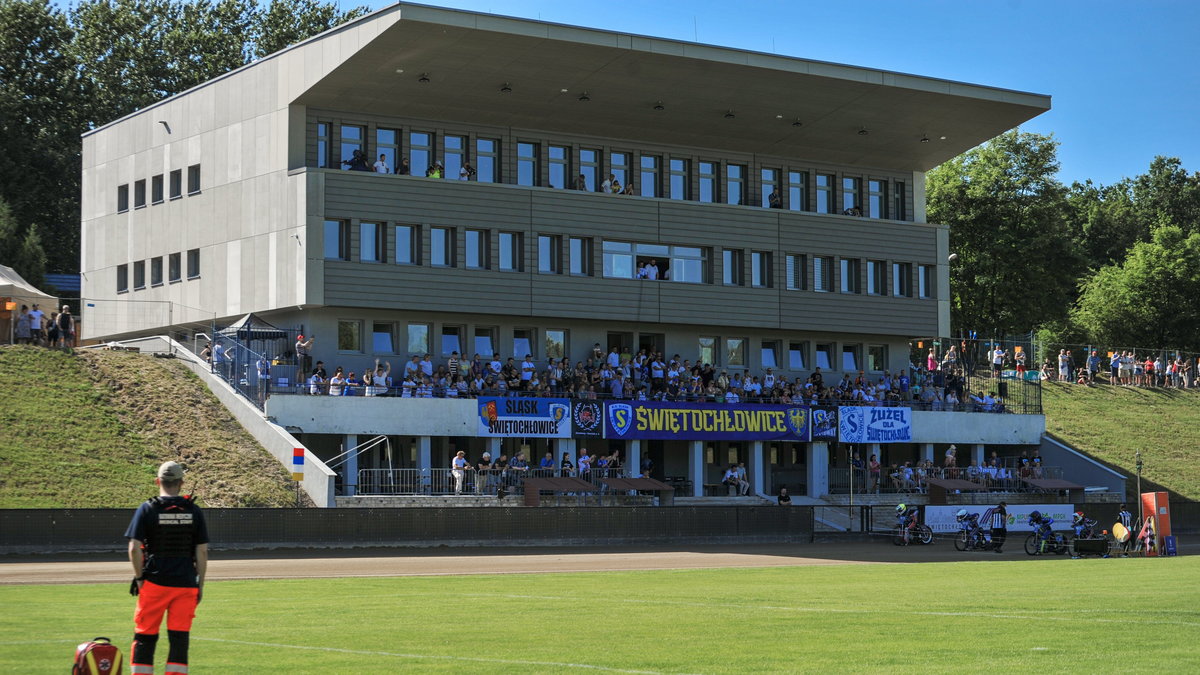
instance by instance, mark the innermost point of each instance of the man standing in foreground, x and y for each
(999, 526)
(168, 548)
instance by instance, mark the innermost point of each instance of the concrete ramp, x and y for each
(1078, 467)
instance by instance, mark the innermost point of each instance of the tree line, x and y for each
(63, 72)
(1111, 264)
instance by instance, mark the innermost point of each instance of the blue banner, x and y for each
(823, 422)
(864, 424)
(705, 421)
(524, 417)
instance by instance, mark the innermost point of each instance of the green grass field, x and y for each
(1056, 615)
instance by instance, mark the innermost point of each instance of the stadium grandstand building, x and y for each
(780, 200)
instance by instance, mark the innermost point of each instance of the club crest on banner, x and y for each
(797, 420)
(559, 411)
(587, 416)
(620, 416)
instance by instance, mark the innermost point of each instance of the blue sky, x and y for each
(1124, 76)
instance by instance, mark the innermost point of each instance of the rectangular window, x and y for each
(797, 355)
(618, 167)
(511, 259)
(549, 254)
(383, 337)
(769, 187)
(193, 263)
(589, 169)
(522, 342)
(760, 269)
(581, 256)
(176, 183)
(822, 274)
(735, 352)
(850, 357)
(122, 278)
(877, 357)
(708, 182)
(372, 242)
(322, 145)
(337, 240)
(850, 282)
(556, 344)
(451, 340)
(707, 347)
(156, 189)
(679, 179)
(851, 199)
(420, 152)
(797, 272)
(768, 354)
(732, 273)
(139, 193)
(487, 160)
(560, 166)
(649, 178)
(418, 339)
(387, 147)
(353, 138)
(925, 281)
(174, 267)
(527, 164)
(902, 280)
(898, 210)
(156, 271)
(876, 199)
(824, 356)
(193, 179)
(455, 149)
(798, 190)
(689, 264)
(735, 183)
(408, 245)
(441, 247)
(122, 198)
(477, 249)
(825, 193)
(139, 275)
(349, 335)
(618, 260)
(876, 277)
(485, 341)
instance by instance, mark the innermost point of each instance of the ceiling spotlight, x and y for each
(863, 131)
(924, 138)
(779, 117)
(659, 106)
(399, 70)
(797, 123)
(729, 115)
(942, 138)
(584, 97)
(424, 78)
(506, 89)
(563, 90)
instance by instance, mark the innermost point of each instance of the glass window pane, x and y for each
(483, 342)
(522, 343)
(824, 356)
(849, 358)
(349, 336)
(438, 249)
(450, 340)
(382, 339)
(735, 351)
(556, 341)
(486, 161)
(708, 350)
(404, 244)
(420, 152)
(768, 355)
(796, 356)
(418, 338)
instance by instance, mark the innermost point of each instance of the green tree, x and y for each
(1168, 195)
(21, 251)
(1146, 300)
(1017, 264)
(285, 22)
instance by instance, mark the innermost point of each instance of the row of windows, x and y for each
(599, 170)
(173, 271)
(417, 339)
(175, 184)
(621, 259)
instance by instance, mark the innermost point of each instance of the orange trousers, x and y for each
(179, 604)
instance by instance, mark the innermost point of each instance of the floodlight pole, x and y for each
(1138, 464)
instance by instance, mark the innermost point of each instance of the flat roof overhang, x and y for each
(468, 57)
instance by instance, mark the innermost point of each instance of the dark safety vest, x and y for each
(172, 533)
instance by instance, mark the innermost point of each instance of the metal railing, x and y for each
(915, 481)
(443, 482)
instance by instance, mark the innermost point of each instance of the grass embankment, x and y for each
(88, 429)
(982, 617)
(1112, 423)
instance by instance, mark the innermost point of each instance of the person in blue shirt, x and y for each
(547, 463)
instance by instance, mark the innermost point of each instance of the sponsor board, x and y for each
(861, 424)
(705, 421)
(942, 519)
(524, 417)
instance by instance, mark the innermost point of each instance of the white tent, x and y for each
(18, 292)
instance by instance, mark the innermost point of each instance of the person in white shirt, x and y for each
(527, 369)
(408, 388)
(768, 381)
(426, 366)
(652, 270)
(459, 471)
(412, 368)
(337, 383)
(382, 166)
(378, 380)
(732, 396)
(495, 366)
(614, 359)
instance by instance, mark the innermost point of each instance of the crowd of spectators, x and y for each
(1124, 368)
(35, 327)
(995, 472)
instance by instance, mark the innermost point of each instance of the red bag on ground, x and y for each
(98, 657)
